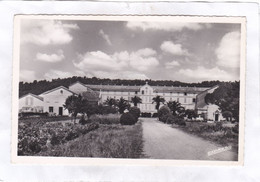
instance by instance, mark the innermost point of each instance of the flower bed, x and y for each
(37, 136)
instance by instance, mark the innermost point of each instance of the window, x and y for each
(135, 92)
(193, 100)
(51, 109)
(185, 93)
(142, 92)
(61, 91)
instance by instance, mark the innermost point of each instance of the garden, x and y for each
(103, 133)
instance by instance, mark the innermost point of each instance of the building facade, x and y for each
(52, 101)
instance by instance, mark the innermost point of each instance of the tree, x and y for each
(73, 104)
(190, 113)
(122, 104)
(136, 100)
(227, 115)
(226, 96)
(176, 108)
(110, 102)
(158, 100)
(77, 104)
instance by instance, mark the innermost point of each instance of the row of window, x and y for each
(145, 92)
(149, 99)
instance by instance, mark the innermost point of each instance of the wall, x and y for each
(56, 99)
(32, 102)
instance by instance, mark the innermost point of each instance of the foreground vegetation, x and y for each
(223, 133)
(108, 141)
(215, 132)
(108, 136)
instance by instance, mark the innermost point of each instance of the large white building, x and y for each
(52, 101)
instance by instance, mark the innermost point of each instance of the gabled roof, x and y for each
(125, 88)
(49, 91)
(78, 83)
(200, 98)
(33, 95)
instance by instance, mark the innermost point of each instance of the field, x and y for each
(103, 136)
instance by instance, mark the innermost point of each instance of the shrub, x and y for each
(106, 110)
(163, 113)
(127, 119)
(155, 115)
(135, 111)
(106, 119)
(146, 114)
(171, 119)
(235, 129)
(82, 120)
(180, 122)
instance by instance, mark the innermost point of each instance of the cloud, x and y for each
(27, 75)
(166, 26)
(105, 36)
(228, 52)
(141, 60)
(172, 64)
(202, 74)
(52, 58)
(175, 49)
(52, 74)
(46, 32)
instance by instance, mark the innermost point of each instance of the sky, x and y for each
(178, 51)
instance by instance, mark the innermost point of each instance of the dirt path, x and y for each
(164, 142)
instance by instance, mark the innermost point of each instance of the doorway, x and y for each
(60, 111)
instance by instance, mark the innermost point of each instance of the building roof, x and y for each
(163, 89)
(33, 95)
(52, 90)
(200, 99)
(125, 88)
(91, 96)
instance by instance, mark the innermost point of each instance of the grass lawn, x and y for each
(223, 135)
(108, 141)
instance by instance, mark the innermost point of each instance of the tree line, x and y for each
(38, 87)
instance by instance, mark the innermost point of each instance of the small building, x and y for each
(55, 99)
(31, 103)
(210, 112)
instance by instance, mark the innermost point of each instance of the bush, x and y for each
(82, 120)
(163, 113)
(135, 111)
(127, 119)
(155, 115)
(180, 122)
(171, 119)
(146, 114)
(106, 119)
(106, 110)
(235, 129)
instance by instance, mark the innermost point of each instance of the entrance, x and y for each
(60, 111)
(216, 117)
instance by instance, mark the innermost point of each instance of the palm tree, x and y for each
(110, 102)
(122, 104)
(158, 100)
(136, 100)
(175, 107)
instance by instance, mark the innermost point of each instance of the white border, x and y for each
(105, 161)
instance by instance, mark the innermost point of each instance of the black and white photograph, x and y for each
(129, 87)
